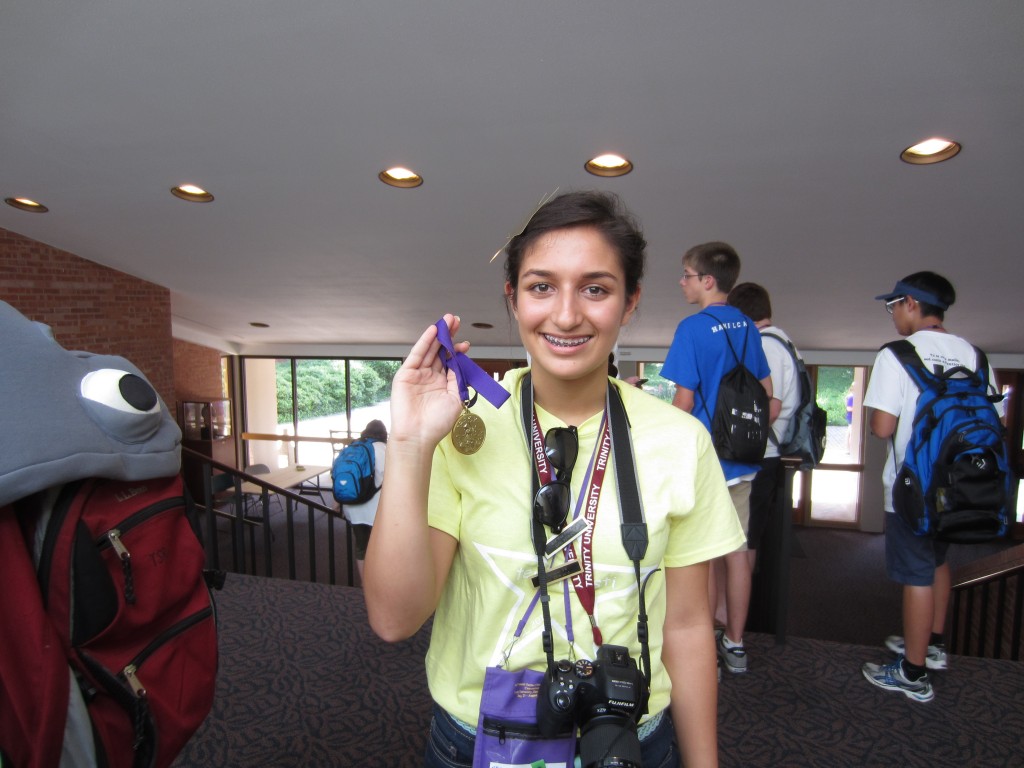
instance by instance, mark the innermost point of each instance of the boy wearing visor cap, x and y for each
(917, 304)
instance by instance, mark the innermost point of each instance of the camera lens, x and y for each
(610, 742)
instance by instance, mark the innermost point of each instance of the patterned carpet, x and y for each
(304, 682)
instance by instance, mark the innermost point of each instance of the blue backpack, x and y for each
(352, 472)
(955, 482)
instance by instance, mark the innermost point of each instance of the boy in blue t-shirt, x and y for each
(699, 357)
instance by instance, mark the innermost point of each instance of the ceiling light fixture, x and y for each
(400, 177)
(930, 151)
(24, 204)
(608, 165)
(191, 193)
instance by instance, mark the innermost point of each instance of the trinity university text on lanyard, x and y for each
(590, 494)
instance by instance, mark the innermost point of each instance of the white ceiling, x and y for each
(774, 125)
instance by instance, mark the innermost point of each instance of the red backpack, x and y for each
(105, 597)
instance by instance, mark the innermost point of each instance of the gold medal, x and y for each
(468, 433)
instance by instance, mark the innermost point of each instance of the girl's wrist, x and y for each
(411, 446)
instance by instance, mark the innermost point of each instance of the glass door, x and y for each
(829, 495)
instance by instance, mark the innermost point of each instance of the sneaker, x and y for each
(891, 678)
(733, 657)
(936, 657)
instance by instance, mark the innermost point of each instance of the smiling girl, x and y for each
(455, 534)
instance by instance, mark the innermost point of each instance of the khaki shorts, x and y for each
(740, 495)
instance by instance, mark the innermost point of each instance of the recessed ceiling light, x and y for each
(400, 177)
(192, 193)
(930, 151)
(259, 325)
(24, 204)
(608, 165)
(483, 326)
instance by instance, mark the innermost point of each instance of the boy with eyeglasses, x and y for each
(917, 304)
(700, 355)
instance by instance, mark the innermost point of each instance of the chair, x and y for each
(253, 501)
(226, 502)
(339, 439)
(223, 496)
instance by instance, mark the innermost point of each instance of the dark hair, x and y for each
(717, 259)
(613, 371)
(601, 210)
(752, 300)
(937, 286)
(376, 430)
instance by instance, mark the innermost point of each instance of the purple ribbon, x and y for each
(467, 373)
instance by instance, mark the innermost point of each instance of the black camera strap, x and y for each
(633, 526)
(631, 512)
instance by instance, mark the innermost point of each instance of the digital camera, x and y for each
(605, 698)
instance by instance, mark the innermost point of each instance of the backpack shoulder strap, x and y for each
(991, 388)
(907, 355)
(905, 352)
(982, 366)
(717, 319)
(790, 347)
(792, 353)
(33, 669)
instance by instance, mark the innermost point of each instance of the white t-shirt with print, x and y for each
(892, 390)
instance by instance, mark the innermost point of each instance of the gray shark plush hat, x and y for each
(67, 416)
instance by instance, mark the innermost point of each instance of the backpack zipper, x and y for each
(505, 729)
(135, 697)
(130, 671)
(112, 538)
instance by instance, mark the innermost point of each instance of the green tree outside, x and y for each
(320, 386)
(833, 383)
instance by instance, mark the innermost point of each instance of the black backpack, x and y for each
(805, 436)
(739, 426)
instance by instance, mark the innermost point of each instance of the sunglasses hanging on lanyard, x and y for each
(633, 526)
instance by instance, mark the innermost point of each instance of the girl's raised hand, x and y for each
(425, 401)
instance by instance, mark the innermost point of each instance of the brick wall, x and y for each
(91, 307)
(197, 372)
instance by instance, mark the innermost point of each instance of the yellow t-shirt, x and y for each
(484, 501)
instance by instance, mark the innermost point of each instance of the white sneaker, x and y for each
(732, 657)
(890, 677)
(936, 658)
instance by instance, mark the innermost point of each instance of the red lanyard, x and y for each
(590, 492)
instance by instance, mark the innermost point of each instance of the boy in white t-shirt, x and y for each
(917, 305)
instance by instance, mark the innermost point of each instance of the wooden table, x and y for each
(287, 477)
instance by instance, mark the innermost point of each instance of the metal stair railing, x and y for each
(230, 505)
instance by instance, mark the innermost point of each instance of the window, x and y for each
(832, 490)
(661, 388)
(316, 401)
